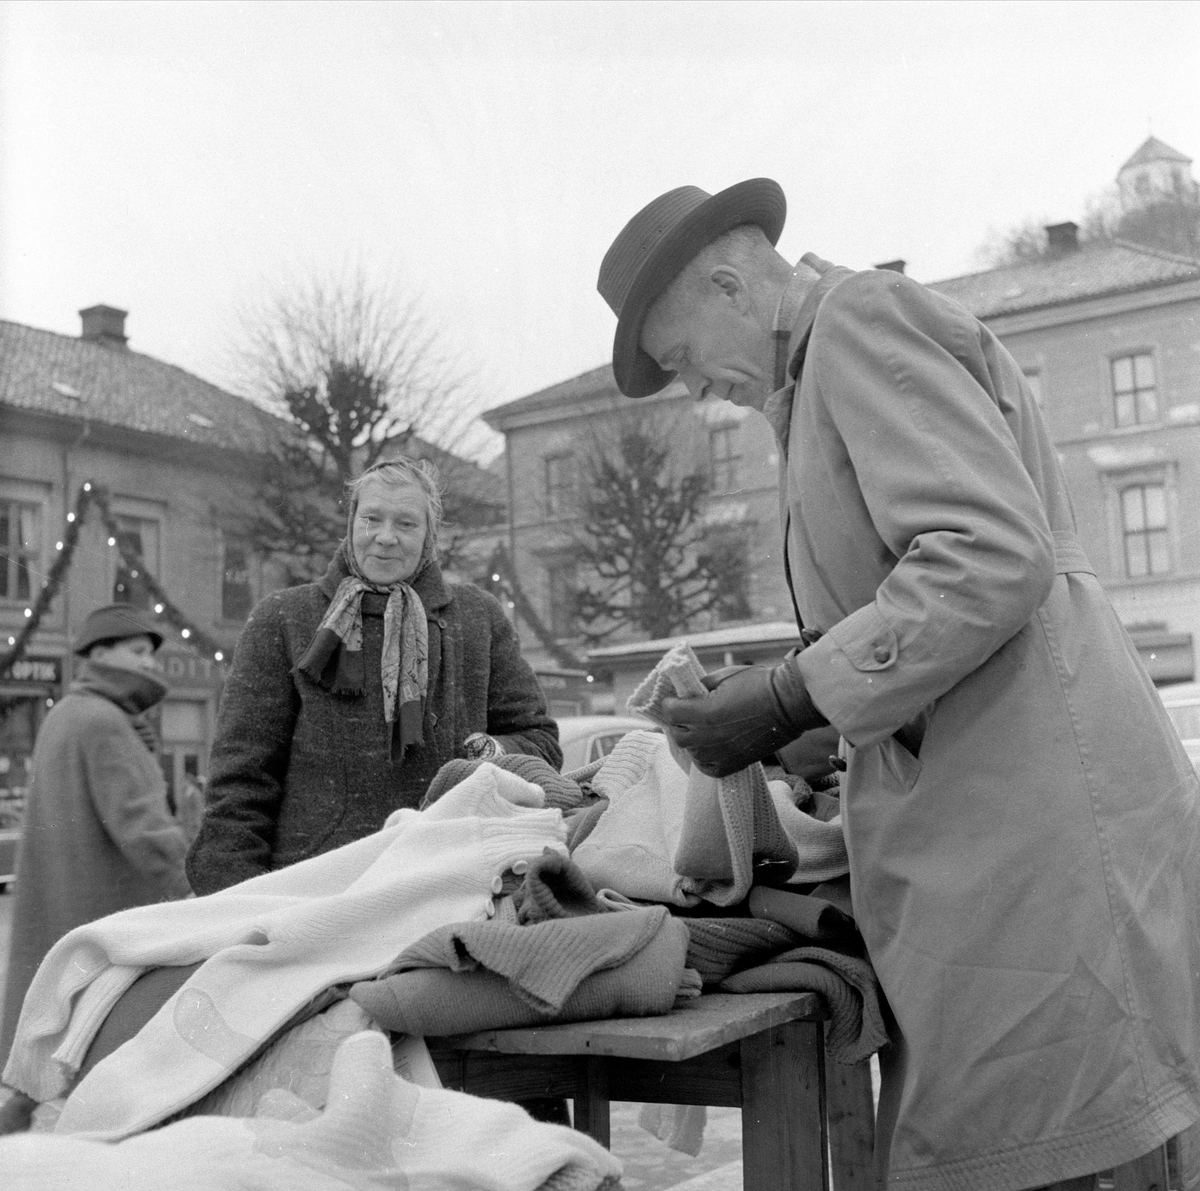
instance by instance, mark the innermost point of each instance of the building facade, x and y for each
(177, 456)
(1108, 333)
(549, 435)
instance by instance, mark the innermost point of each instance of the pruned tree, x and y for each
(647, 560)
(355, 372)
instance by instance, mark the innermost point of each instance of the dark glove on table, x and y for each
(749, 712)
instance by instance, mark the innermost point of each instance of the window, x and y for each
(1033, 377)
(724, 457)
(20, 549)
(561, 581)
(1135, 393)
(138, 537)
(560, 485)
(1144, 522)
(236, 596)
(727, 562)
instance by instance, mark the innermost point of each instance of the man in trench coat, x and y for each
(1022, 823)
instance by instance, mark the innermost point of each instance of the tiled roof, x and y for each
(50, 373)
(586, 384)
(1098, 268)
(1152, 149)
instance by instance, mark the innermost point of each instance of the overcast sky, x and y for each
(183, 160)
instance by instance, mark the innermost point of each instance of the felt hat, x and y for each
(653, 249)
(117, 622)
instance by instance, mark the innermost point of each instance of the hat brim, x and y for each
(759, 201)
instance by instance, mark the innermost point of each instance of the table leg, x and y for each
(784, 1139)
(851, 1111)
(591, 1109)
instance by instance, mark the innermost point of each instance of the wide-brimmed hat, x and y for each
(653, 249)
(117, 622)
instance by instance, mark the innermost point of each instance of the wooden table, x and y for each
(762, 1052)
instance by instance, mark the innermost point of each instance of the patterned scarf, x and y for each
(334, 659)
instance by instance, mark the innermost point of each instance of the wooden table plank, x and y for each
(702, 1024)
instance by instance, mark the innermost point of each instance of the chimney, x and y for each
(104, 324)
(893, 266)
(1062, 237)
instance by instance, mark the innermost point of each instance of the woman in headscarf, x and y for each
(346, 696)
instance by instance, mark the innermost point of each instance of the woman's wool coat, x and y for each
(298, 770)
(1022, 823)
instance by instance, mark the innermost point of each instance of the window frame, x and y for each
(558, 498)
(229, 540)
(34, 563)
(728, 462)
(565, 571)
(1135, 391)
(1147, 533)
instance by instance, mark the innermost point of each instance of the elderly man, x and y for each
(1023, 825)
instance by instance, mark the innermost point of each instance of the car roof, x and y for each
(1180, 692)
(574, 727)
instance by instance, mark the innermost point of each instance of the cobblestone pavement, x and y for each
(651, 1165)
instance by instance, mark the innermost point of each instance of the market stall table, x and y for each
(762, 1052)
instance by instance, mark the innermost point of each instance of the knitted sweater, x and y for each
(271, 944)
(297, 770)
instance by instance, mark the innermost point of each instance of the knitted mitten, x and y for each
(555, 888)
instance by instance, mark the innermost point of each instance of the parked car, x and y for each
(587, 738)
(1183, 706)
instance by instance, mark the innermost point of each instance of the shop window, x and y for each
(724, 458)
(1144, 525)
(20, 549)
(236, 596)
(562, 582)
(20, 718)
(1135, 391)
(137, 538)
(559, 485)
(184, 733)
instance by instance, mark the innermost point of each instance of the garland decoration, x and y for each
(90, 494)
(501, 569)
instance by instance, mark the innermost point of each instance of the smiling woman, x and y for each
(346, 696)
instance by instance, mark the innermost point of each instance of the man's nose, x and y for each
(695, 384)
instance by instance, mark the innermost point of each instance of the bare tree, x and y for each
(356, 372)
(1167, 220)
(647, 559)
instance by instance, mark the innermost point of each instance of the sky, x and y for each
(187, 161)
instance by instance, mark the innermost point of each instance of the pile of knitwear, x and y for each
(515, 896)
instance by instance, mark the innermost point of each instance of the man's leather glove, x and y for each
(749, 712)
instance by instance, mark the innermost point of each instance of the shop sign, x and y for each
(190, 670)
(34, 671)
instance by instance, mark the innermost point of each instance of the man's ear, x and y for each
(733, 285)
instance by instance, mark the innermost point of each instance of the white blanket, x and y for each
(270, 945)
(377, 1131)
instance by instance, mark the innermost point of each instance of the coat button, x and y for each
(497, 883)
(882, 653)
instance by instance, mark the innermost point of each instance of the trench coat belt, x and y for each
(1069, 558)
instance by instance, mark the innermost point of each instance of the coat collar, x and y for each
(778, 407)
(428, 584)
